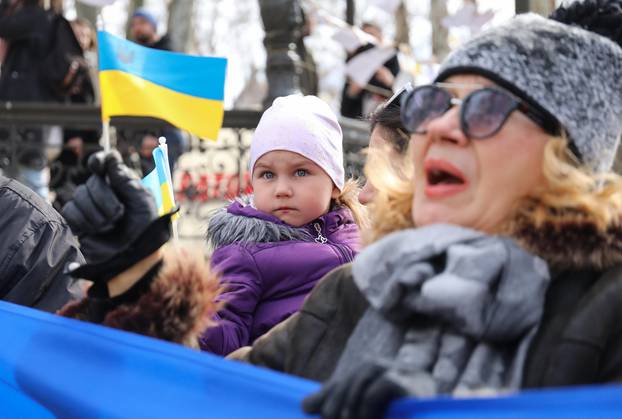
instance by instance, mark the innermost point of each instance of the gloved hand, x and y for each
(110, 210)
(365, 394)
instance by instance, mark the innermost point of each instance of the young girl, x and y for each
(300, 223)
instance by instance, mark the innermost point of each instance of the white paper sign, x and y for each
(352, 37)
(361, 68)
(468, 16)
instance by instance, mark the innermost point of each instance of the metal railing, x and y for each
(205, 175)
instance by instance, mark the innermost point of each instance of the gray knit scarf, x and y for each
(451, 310)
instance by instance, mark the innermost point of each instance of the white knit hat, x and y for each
(305, 125)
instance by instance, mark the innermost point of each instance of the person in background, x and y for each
(144, 31)
(358, 101)
(80, 85)
(81, 81)
(25, 30)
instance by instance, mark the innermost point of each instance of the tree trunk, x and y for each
(87, 12)
(542, 7)
(402, 31)
(132, 5)
(181, 24)
(440, 46)
(350, 9)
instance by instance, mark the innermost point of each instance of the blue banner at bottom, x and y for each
(56, 367)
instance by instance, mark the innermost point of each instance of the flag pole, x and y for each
(105, 139)
(164, 146)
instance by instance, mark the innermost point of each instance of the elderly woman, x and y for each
(513, 277)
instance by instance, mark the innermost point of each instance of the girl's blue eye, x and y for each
(267, 175)
(301, 172)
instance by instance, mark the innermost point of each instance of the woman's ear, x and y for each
(336, 192)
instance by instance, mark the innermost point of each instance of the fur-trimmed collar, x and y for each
(177, 306)
(241, 223)
(571, 241)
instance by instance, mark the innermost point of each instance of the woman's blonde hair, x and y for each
(391, 174)
(349, 198)
(570, 193)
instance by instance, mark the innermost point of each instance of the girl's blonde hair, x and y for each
(349, 198)
(570, 193)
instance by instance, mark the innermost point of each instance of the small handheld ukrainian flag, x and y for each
(185, 90)
(159, 181)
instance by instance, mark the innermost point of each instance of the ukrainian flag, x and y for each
(185, 90)
(159, 181)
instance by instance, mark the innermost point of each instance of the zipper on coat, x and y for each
(342, 250)
(320, 237)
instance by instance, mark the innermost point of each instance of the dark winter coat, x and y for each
(36, 246)
(580, 336)
(164, 44)
(269, 268)
(27, 31)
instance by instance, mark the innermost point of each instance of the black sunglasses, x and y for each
(397, 98)
(482, 112)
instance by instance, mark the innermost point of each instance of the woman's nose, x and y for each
(367, 193)
(446, 128)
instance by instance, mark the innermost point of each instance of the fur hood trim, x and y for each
(226, 227)
(177, 307)
(571, 241)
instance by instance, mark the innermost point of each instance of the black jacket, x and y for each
(164, 44)
(579, 340)
(27, 32)
(36, 246)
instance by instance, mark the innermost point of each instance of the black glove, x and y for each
(115, 219)
(110, 210)
(365, 394)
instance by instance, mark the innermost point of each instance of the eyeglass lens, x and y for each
(482, 113)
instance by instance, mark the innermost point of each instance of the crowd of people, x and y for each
(46, 58)
(482, 256)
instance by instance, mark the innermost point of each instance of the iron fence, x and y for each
(205, 176)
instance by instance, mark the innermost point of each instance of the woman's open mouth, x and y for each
(443, 179)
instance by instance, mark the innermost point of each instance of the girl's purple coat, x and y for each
(266, 281)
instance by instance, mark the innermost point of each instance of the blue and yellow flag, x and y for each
(185, 90)
(160, 182)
